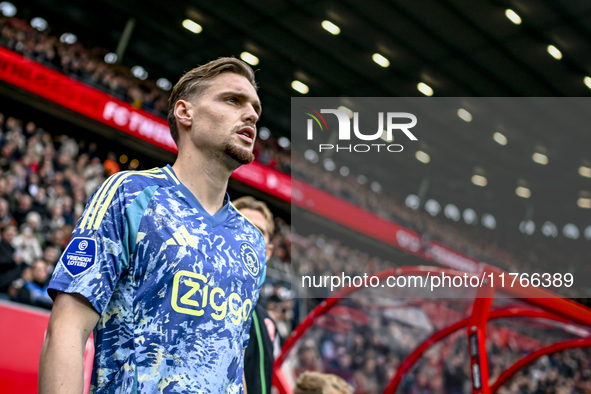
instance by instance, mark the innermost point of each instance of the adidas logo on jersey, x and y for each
(183, 238)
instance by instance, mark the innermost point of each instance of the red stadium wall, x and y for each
(22, 331)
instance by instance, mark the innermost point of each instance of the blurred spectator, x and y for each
(10, 261)
(32, 290)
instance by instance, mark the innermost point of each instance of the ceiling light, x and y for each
(164, 84)
(584, 203)
(571, 231)
(549, 229)
(554, 52)
(452, 212)
(479, 180)
(380, 60)
(264, 133)
(134, 164)
(422, 156)
(489, 221)
(432, 207)
(384, 136)
(139, 72)
(425, 89)
(500, 138)
(344, 171)
(284, 142)
(523, 192)
(376, 187)
(300, 87)
(527, 227)
(331, 27)
(588, 233)
(192, 26)
(412, 201)
(7, 9)
(39, 23)
(311, 156)
(68, 38)
(347, 110)
(123, 159)
(587, 81)
(513, 17)
(249, 58)
(464, 115)
(329, 165)
(540, 158)
(470, 216)
(110, 58)
(362, 179)
(585, 171)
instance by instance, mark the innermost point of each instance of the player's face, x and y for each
(258, 219)
(225, 116)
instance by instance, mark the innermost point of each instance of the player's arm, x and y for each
(61, 367)
(243, 375)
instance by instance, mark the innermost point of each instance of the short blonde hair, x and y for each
(249, 202)
(311, 382)
(196, 81)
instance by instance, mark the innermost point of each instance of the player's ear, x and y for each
(183, 112)
(270, 248)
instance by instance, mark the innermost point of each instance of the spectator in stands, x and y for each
(320, 383)
(33, 290)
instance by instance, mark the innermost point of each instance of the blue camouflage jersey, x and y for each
(174, 285)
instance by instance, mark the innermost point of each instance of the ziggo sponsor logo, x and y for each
(238, 309)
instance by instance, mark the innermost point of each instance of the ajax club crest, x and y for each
(250, 259)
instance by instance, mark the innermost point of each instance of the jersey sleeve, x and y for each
(93, 261)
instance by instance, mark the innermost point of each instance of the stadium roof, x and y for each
(458, 48)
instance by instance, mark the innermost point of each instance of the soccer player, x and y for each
(161, 265)
(264, 339)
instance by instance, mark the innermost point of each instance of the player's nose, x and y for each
(250, 114)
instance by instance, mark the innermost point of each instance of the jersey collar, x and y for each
(212, 220)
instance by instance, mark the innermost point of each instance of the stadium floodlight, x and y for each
(587, 82)
(164, 84)
(39, 24)
(523, 192)
(311, 156)
(264, 133)
(571, 231)
(111, 58)
(489, 221)
(284, 142)
(139, 72)
(422, 157)
(470, 216)
(464, 115)
(134, 164)
(500, 138)
(329, 165)
(362, 179)
(300, 87)
(588, 233)
(380, 60)
(554, 52)
(527, 227)
(68, 38)
(549, 229)
(479, 180)
(512, 16)
(452, 212)
(425, 89)
(7, 9)
(344, 171)
(331, 27)
(413, 201)
(192, 26)
(584, 202)
(375, 187)
(585, 171)
(123, 159)
(540, 158)
(432, 207)
(249, 58)
(347, 110)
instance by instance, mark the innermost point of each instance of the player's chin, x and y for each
(240, 154)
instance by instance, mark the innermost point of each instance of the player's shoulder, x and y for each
(133, 182)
